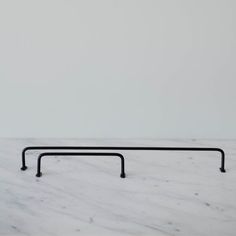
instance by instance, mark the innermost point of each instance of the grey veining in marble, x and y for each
(165, 193)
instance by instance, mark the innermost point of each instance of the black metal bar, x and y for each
(222, 168)
(39, 173)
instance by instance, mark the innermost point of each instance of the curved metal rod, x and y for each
(39, 173)
(222, 168)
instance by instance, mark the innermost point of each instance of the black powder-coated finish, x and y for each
(39, 173)
(203, 149)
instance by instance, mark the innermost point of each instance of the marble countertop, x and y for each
(165, 193)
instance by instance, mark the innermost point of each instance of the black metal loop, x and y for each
(39, 173)
(222, 167)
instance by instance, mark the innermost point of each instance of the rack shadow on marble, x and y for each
(201, 149)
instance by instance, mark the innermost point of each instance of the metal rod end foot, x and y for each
(23, 167)
(222, 170)
(39, 174)
(122, 175)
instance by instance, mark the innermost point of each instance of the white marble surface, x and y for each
(165, 193)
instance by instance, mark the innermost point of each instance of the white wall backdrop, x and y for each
(118, 68)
